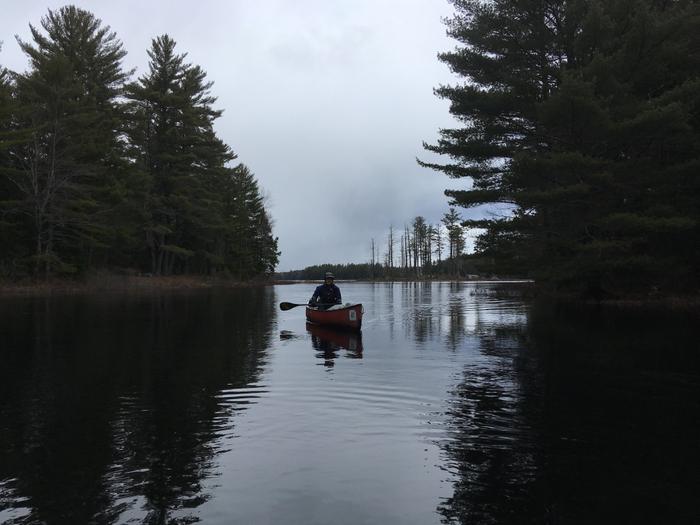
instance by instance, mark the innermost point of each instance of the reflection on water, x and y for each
(112, 411)
(329, 342)
(457, 403)
(492, 446)
(577, 416)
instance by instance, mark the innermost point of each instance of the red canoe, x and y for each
(341, 315)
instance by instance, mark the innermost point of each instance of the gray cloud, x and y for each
(327, 102)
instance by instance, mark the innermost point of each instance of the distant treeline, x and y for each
(419, 250)
(420, 245)
(453, 268)
(583, 117)
(101, 171)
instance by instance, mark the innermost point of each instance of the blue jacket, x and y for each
(326, 294)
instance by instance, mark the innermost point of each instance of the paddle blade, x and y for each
(288, 306)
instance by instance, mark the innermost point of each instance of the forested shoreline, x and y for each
(582, 120)
(579, 122)
(103, 172)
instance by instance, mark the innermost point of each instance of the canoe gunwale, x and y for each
(344, 307)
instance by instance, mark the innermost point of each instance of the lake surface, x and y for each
(458, 403)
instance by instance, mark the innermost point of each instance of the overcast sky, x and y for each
(327, 102)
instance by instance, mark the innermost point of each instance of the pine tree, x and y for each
(438, 241)
(453, 224)
(174, 141)
(250, 248)
(390, 248)
(420, 236)
(13, 229)
(68, 167)
(583, 118)
(88, 180)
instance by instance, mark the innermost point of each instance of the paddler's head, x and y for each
(329, 278)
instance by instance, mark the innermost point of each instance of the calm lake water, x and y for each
(458, 403)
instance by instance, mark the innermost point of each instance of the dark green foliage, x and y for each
(202, 216)
(66, 160)
(174, 142)
(11, 225)
(251, 246)
(454, 268)
(584, 117)
(342, 271)
(98, 173)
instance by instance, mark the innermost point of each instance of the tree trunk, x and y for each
(49, 247)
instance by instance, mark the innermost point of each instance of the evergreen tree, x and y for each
(203, 215)
(67, 152)
(438, 241)
(88, 180)
(583, 117)
(12, 230)
(420, 236)
(249, 245)
(455, 235)
(174, 141)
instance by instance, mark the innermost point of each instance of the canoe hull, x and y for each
(349, 317)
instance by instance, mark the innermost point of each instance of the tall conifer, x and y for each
(70, 169)
(173, 138)
(14, 229)
(203, 215)
(584, 118)
(88, 180)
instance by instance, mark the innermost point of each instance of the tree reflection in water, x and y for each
(120, 420)
(492, 447)
(577, 416)
(539, 414)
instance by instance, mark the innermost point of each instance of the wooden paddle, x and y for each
(288, 306)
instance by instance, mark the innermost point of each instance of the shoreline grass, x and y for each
(122, 283)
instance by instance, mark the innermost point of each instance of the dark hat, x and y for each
(329, 275)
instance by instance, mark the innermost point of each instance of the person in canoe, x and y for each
(326, 294)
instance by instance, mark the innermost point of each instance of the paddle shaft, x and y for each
(288, 306)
